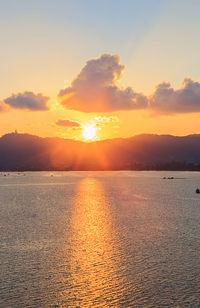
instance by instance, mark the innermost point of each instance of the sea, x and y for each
(99, 239)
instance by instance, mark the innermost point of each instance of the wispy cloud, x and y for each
(104, 120)
(68, 123)
(3, 107)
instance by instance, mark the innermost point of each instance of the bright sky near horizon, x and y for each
(46, 44)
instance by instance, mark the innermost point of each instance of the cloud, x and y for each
(28, 100)
(68, 123)
(3, 107)
(166, 100)
(95, 88)
(104, 120)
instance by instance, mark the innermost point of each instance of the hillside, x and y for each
(141, 152)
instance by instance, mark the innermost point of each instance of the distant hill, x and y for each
(141, 152)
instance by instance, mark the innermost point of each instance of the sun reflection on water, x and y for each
(94, 259)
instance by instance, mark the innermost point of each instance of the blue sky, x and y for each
(57, 37)
(46, 35)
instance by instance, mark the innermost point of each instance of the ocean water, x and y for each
(99, 239)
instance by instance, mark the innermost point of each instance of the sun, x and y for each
(89, 132)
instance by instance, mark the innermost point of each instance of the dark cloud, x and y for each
(95, 88)
(28, 100)
(68, 123)
(166, 100)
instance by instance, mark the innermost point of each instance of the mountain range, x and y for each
(21, 152)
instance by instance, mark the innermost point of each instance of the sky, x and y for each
(93, 70)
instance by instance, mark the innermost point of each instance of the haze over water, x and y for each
(99, 239)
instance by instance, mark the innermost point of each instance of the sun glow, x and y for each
(89, 132)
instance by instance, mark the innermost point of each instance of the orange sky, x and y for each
(100, 65)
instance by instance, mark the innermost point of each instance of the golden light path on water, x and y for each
(99, 239)
(94, 259)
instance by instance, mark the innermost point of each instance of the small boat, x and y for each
(197, 191)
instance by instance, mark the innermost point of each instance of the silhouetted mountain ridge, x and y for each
(140, 152)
